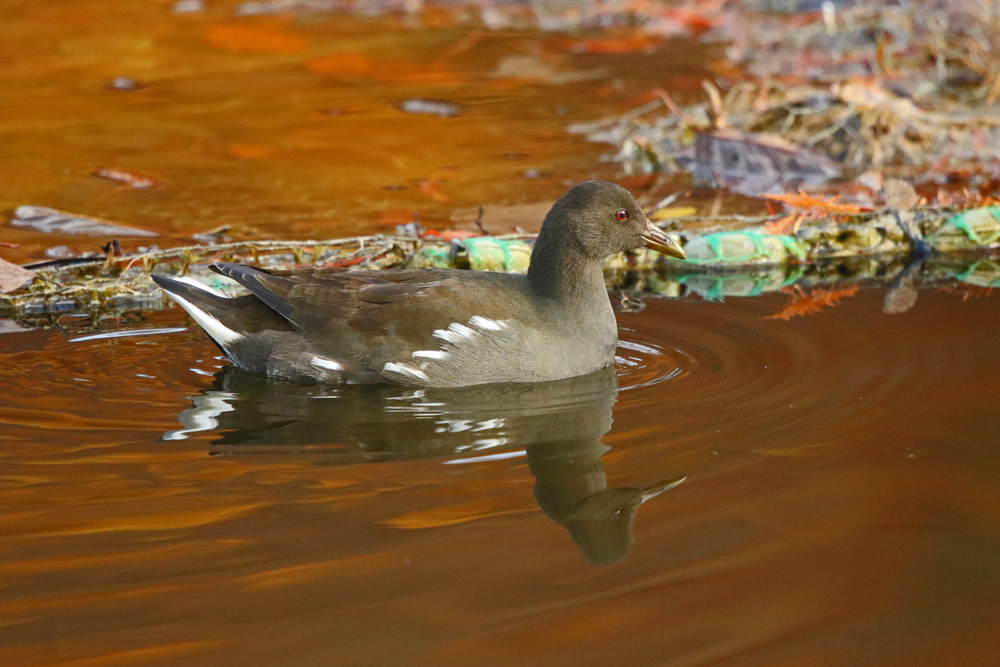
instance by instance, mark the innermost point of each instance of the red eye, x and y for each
(621, 215)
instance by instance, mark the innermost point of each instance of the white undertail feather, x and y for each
(220, 333)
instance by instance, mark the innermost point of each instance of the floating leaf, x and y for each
(440, 108)
(133, 179)
(53, 221)
(13, 277)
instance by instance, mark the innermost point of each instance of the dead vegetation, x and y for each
(909, 89)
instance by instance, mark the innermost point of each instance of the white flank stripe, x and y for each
(430, 354)
(323, 362)
(445, 335)
(485, 323)
(460, 329)
(222, 334)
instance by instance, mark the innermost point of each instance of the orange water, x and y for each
(840, 505)
(841, 500)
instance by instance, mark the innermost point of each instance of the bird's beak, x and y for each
(660, 242)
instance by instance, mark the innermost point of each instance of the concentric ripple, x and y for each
(732, 360)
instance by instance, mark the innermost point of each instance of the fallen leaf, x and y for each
(803, 201)
(672, 212)
(752, 164)
(13, 277)
(808, 303)
(258, 38)
(53, 221)
(439, 108)
(899, 195)
(133, 179)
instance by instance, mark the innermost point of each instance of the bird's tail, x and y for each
(225, 319)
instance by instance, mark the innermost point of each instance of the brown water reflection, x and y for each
(841, 504)
(556, 426)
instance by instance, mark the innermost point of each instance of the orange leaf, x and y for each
(787, 225)
(258, 38)
(809, 303)
(134, 179)
(807, 201)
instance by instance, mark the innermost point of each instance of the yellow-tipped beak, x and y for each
(660, 242)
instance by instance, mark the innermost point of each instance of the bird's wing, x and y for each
(359, 311)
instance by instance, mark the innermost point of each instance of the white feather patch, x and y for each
(486, 324)
(405, 371)
(431, 354)
(329, 364)
(220, 333)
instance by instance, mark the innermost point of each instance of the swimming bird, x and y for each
(437, 327)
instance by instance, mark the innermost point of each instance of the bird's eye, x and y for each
(621, 215)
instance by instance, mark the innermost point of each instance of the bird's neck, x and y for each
(561, 271)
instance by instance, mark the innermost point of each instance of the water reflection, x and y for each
(557, 426)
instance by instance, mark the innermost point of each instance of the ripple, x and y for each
(732, 360)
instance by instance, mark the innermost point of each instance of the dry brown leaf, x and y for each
(13, 276)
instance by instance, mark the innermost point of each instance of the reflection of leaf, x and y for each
(259, 38)
(809, 303)
(52, 221)
(432, 189)
(13, 276)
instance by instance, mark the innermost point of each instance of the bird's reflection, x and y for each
(558, 426)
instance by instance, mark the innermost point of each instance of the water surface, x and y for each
(839, 507)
